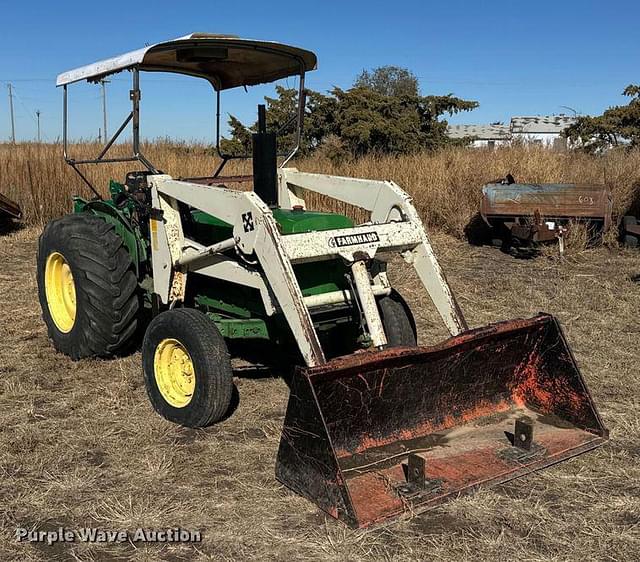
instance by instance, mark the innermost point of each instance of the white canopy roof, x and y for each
(225, 60)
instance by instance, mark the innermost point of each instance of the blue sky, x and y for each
(523, 58)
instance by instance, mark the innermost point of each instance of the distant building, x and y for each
(483, 135)
(543, 130)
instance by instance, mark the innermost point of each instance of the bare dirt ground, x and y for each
(80, 446)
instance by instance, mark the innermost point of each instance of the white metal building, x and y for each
(545, 130)
(484, 135)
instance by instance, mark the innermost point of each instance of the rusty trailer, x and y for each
(525, 213)
(9, 209)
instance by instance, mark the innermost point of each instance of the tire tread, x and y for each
(397, 320)
(106, 285)
(212, 360)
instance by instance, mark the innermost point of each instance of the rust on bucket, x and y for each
(354, 425)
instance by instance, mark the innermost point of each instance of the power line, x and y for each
(36, 120)
(24, 106)
(27, 80)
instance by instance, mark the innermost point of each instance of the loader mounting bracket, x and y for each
(523, 436)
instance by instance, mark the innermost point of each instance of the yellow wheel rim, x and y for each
(175, 376)
(60, 291)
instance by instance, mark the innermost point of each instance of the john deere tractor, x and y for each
(194, 263)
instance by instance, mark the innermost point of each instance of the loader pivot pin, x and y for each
(523, 434)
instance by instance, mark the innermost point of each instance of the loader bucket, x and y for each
(373, 435)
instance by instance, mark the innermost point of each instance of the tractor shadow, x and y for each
(258, 360)
(261, 360)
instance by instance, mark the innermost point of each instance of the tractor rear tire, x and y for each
(187, 368)
(87, 287)
(397, 320)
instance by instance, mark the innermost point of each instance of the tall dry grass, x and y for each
(445, 185)
(36, 175)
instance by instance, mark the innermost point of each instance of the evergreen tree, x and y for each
(617, 125)
(382, 113)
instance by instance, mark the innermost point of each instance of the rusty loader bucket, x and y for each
(373, 435)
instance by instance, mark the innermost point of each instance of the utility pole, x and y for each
(99, 135)
(13, 123)
(38, 117)
(103, 83)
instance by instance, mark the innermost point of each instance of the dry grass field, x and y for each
(80, 445)
(445, 185)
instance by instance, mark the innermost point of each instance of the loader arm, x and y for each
(395, 227)
(389, 205)
(255, 231)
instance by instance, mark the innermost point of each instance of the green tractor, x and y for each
(195, 264)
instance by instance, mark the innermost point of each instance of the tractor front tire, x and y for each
(397, 320)
(87, 288)
(187, 368)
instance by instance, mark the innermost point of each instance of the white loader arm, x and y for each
(395, 227)
(388, 204)
(254, 231)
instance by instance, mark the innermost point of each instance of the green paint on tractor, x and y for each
(290, 221)
(314, 278)
(299, 221)
(233, 320)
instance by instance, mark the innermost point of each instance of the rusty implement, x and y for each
(9, 209)
(374, 435)
(539, 212)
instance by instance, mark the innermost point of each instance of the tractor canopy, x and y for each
(226, 61)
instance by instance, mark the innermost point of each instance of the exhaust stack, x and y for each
(265, 180)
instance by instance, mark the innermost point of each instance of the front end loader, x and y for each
(376, 426)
